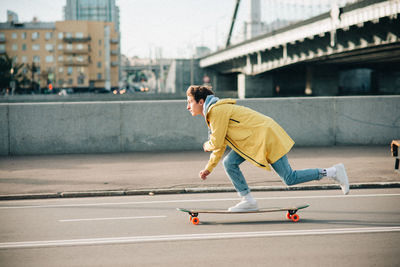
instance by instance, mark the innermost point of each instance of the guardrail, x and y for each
(128, 126)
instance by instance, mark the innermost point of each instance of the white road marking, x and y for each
(190, 201)
(113, 218)
(191, 237)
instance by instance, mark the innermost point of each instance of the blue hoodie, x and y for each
(210, 100)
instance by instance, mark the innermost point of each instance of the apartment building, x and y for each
(82, 55)
(94, 10)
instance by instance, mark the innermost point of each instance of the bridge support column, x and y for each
(254, 86)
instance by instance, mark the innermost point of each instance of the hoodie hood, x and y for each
(210, 100)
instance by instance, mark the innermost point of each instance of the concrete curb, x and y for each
(108, 193)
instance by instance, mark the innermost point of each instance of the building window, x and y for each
(60, 58)
(100, 53)
(60, 35)
(35, 35)
(79, 46)
(99, 64)
(14, 47)
(49, 47)
(69, 70)
(23, 47)
(36, 47)
(49, 35)
(60, 82)
(98, 76)
(36, 59)
(24, 59)
(49, 58)
(2, 48)
(60, 69)
(23, 35)
(14, 35)
(99, 41)
(70, 81)
(79, 58)
(69, 46)
(79, 35)
(68, 35)
(60, 47)
(81, 79)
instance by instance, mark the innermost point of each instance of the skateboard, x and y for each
(291, 212)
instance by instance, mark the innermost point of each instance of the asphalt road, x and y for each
(361, 229)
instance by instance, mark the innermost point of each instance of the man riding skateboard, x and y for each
(254, 137)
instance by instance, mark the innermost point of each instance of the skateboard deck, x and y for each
(291, 212)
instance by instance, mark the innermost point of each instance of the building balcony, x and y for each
(114, 41)
(76, 62)
(76, 39)
(76, 51)
(114, 64)
(114, 52)
(2, 39)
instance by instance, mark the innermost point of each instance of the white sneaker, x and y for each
(244, 205)
(341, 178)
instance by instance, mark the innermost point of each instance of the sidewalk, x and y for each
(176, 172)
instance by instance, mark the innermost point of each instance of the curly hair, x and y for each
(199, 92)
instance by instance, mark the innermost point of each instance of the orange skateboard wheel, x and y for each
(288, 216)
(195, 220)
(295, 218)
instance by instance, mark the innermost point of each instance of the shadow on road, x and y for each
(304, 222)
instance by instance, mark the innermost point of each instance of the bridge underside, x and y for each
(360, 44)
(363, 58)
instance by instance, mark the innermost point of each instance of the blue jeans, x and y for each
(231, 165)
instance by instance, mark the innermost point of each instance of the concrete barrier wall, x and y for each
(327, 121)
(108, 127)
(4, 137)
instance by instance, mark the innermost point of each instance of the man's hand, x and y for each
(203, 174)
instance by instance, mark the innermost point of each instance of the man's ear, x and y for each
(201, 101)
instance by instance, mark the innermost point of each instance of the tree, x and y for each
(34, 85)
(10, 72)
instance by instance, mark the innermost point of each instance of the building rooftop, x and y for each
(28, 25)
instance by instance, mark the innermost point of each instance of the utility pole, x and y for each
(33, 70)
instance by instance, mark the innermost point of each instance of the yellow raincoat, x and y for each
(254, 136)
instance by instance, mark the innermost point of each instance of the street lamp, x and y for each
(12, 82)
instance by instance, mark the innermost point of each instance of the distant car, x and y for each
(140, 88)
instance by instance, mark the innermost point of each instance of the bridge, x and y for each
(358, 43)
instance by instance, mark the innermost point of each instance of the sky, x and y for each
(174, 27)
